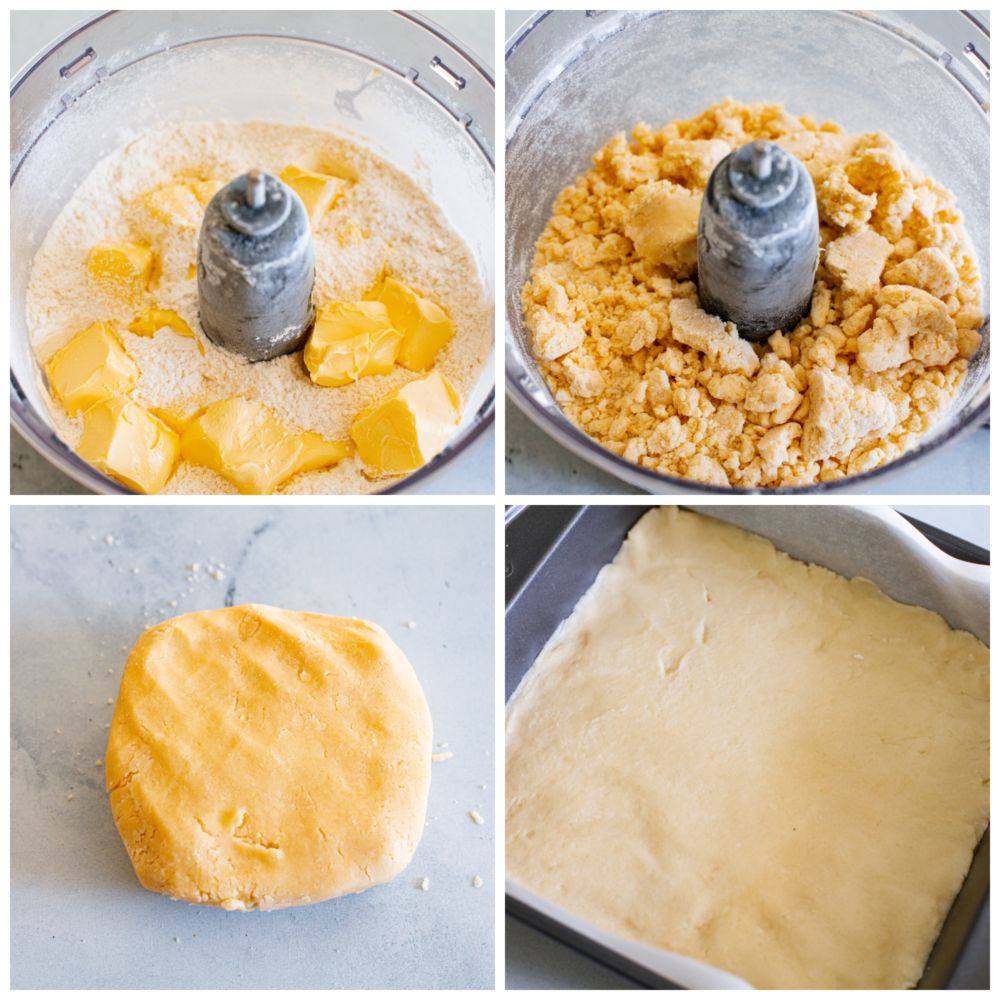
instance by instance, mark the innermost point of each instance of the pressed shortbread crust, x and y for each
(729, 754)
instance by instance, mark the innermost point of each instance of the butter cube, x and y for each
(425, 326)
(319, 192)
(318, 453)
(151, 320)
(127, 443)
(119, 272)
(205, 191)
(245, 443)
(179, 414)
(409, 426)
(349, 341)
(174, 205)
(91, 367)
(181, 205)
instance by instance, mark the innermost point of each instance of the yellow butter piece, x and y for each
(181, 205)
(191, 271)
(351, 235)
(319, 192)
(409, 426)
(425, 326)
(179, 414)
(126, 442)
(349, 341)
(206, 190)
(174, 205)
(151, 320)
(91, 367)
(245, 443)
(119, 272)
(318, 453)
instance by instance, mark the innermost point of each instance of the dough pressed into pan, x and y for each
(751, 761)
(261, 758)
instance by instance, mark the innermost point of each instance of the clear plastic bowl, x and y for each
(576, 78)
(432, 116)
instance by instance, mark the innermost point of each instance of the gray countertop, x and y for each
(79, 918)
(30, 473)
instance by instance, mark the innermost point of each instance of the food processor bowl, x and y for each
(576, 78)
(429, 110)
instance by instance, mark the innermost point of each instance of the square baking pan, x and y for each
(553, 555)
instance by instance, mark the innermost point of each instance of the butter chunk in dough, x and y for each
(662, 222)
(261, 758)
(755, 763)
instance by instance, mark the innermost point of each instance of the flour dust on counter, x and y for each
(89, 585)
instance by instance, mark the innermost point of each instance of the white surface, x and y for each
(30, 31)
(971, 522)
(79, 917)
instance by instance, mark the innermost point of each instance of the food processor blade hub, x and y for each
(256, 268)
(758, 240)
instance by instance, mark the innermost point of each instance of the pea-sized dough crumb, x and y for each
(476, 882)
(618, 332)
(476, 818)
(422, 883)
(440, 756)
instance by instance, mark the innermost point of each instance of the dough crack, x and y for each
(248, 835)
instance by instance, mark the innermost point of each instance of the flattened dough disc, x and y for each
(261, 758)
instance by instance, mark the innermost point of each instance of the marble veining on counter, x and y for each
(85, 583)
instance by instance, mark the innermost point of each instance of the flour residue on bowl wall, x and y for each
(383, 224)
(613, 310)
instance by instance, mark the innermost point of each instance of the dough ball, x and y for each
(261, 758)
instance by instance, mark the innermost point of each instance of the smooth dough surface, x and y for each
(261, 758)
(750, 761)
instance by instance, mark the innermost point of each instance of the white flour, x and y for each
(383, 221)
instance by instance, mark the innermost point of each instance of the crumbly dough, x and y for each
(261, 758)
(750, 761)
(634, 362)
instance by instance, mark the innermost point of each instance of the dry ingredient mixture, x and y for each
(382, 225)
(633, 361)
